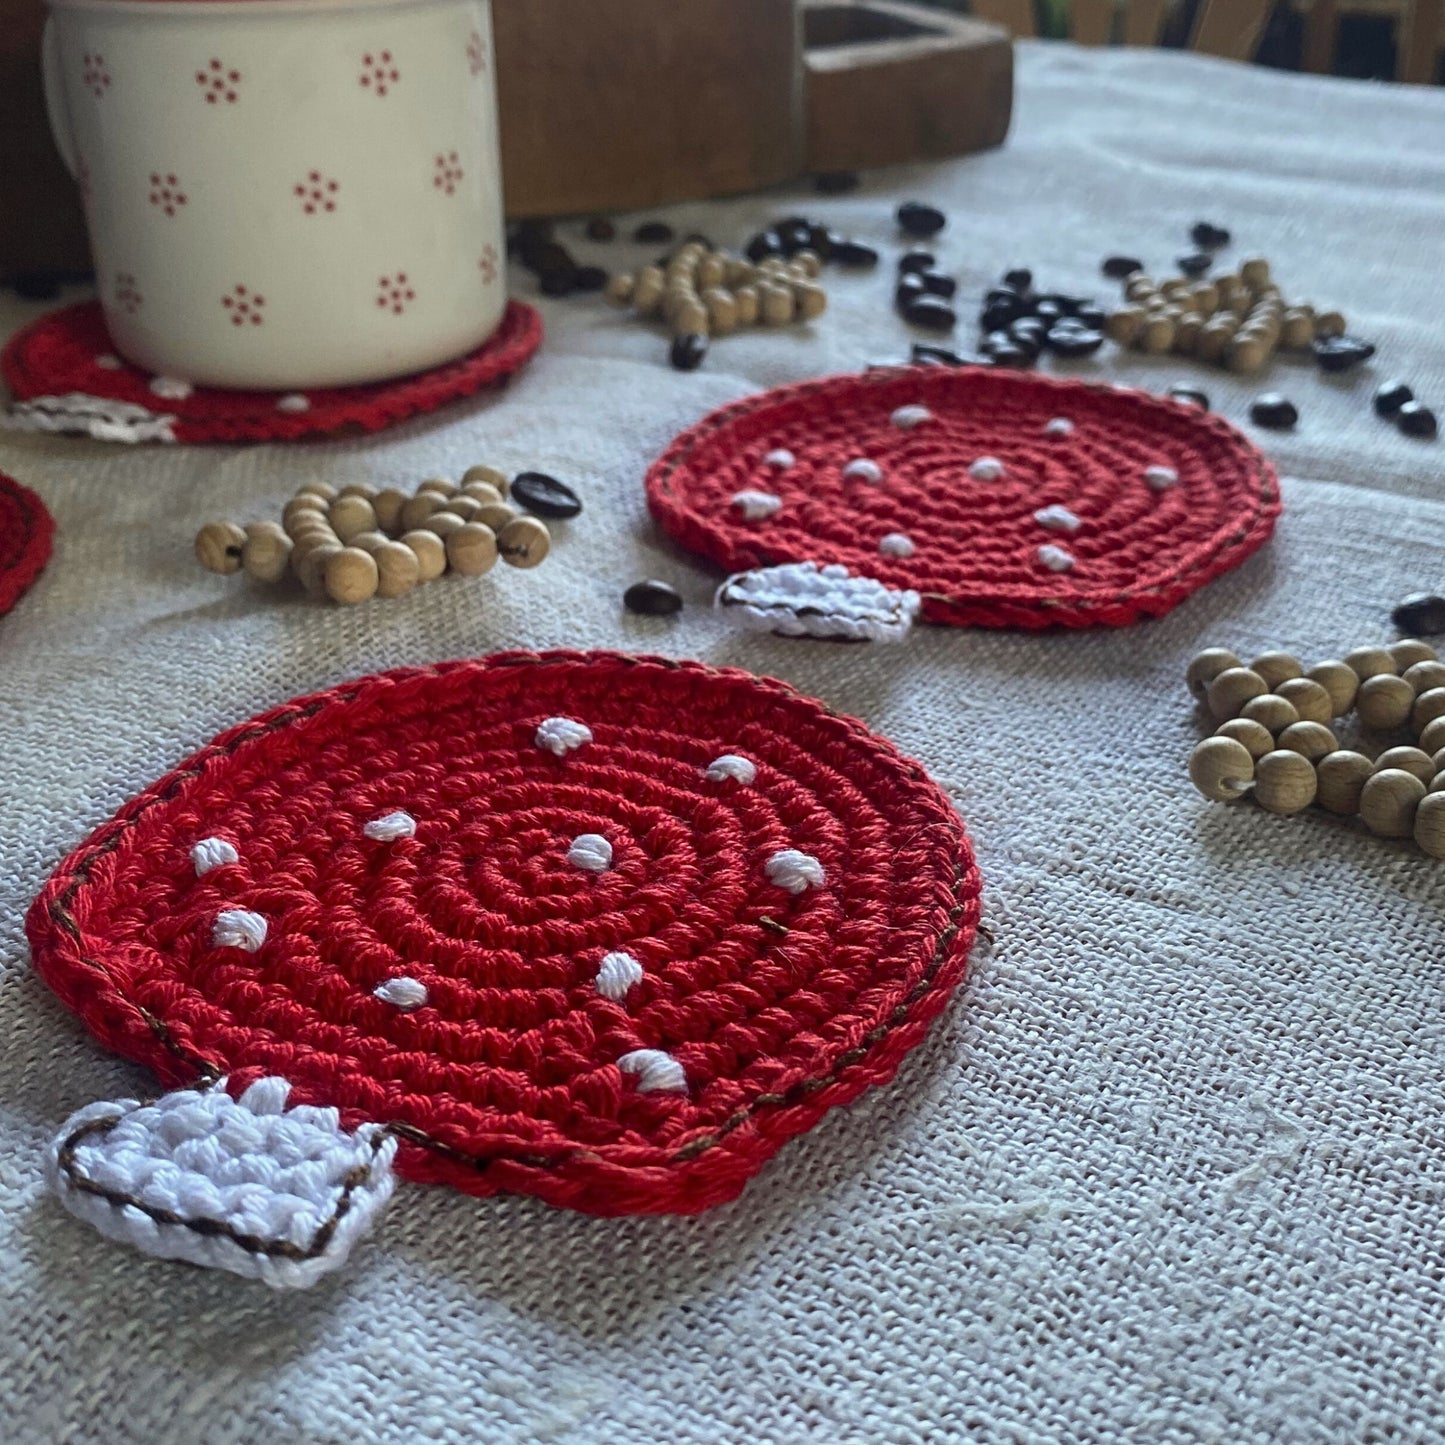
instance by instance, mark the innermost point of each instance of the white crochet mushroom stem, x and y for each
(212, 853)
(391, 826)
(794, 871)
(616, 974)
(801, 599)
(562, 735)
(731, 766)
(655, 1071)
(591, 852)
(757, 506)
(239, 928)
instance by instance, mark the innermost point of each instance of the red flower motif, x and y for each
(317, 193)
(127, 294)
(166, 193)
(244, 306)
(95, 75)
(476, 52)
(488, 265)
(218, 83)
(378, 72)
(448, 173)
(394, 293)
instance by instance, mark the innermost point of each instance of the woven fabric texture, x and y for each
(26, 530)
(993, 517)
(69, 351)
(1168, 1170)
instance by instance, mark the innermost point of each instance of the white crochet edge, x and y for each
(245, 1185)
(93, 416)
(801, 599)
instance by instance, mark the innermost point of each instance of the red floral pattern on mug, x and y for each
(95, 75)
(378, 72)
(395, 293)
(448, 173)
(488, 265)
(476, 52)
(127, 293)
(166, 193)
(317, 193)
(244, 306)
(218, 82)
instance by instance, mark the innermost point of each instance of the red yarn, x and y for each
(57, 355)
(26, 531)
(777, 1005)
(1138, 552)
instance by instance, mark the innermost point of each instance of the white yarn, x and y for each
(239, 928)
(93, 416)
(896, 544)
(781, 458)
(590, 851)
(801, 599)
(391, 826)
(249, 1166)
(756, 506)
(109, 361)
(730, 765)
(986, 469)
(562, 735)
(407, 994)
(1060, 426)
(618, 973)
(1160, 478)
(656, 1071)
(860, 469)
(172, 388)
(1057, 519)
(794, 871)
(1056, 559)
(293, 402)
(909, 417)
(212, 853)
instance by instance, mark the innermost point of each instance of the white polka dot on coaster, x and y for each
(908, 417)
(172, 388)
(106, 361)
(562, 735)
(1160, 478)
(731, 767)
(591, 852)
(655, 1071)
(781, 458)
(860, 469)
(986, 469)
(794, 871)
(405, 994)
(1056, 559)
(212, 853)
(293, 402)
(756, 506)
(1057, 518)
(238, 928)
(391, 826)
(896, 544)
(1060, 426)
(617, 973)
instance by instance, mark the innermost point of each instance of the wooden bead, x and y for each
(777, 304)
(1284, 782)
(1429, 829)
(387, 505)
(711, 269)
(1231, 689)
(397, 569)
(647, 293)
(438, 485)
(1340, 776)
(1339, 682)
(1255, 273)
(1310, 700)
(1409, 651)
(1139, 285)
(524, 542)
(472, 549)
(1409, 760)
(351, 574)
(369, 541)
(1310, 740)
(1204, 298)
(1428, 706)
(463, 506)
(1270, 711)
(306, 524)
(310, 565)
(430, 552)
(219, 546)
(1247, 355)
(1388, 802)
(350, 516)
(620, 287)
(299, 508)
(481, 493)
(1256, 738)
(1329, 323)
(1297, 330)
(1370, 662)
(1384, 702)
(811, 301)
(1186, 334)
(1437, 757)
(491, 476)
(1205, 667)
(417, 509)
(1124, 325)
(1157, 335)
(1422, 676)
(722, 311)
(1436, 784)
(1432, 736)
(323, 491)
(442, 523)
(1212, 340)
(358, 489)
(266, 554)
(1221, 768)
(495, 515)
(749, 305)
(1277, 667)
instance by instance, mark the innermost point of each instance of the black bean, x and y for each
(1049, 309)
(1031, 342)
(599, 228)
(1272, 410)
(835, 183)
(1028, 331)
(853, 253)
(1004, 296)
(542, 256)
(652, 599)
(652, 233)
(558, 281)
(763, 245)
(1391, 397)
(545, 496)
(1340, 353)
(1195, 265)
(1421, 614)
(1190, 397)
(1092, 316)
(937, 284)
(925, 355)
(910, 287)
(821, 239)
(1010, 356)
(795, 233)
(918, 219)
(916, 260)
(932, 312)
(1118, 267)
(1059, 303)
(688, 351)
(1209, 237)
(1019, 279)
(589, 278)
(1417, 420)
(1070, 340)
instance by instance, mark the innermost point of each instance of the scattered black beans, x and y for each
(795, 233)
(763, 245)
(1272, 410)
(1070, 339)
(1195, 264)
(918, 219)
(545, 496)
(931, 312)
(558, 281)
(653, 233)
(1421, 614)
(1019, 323)
(688, 351)
(835, 183)
(1019, 279)
(1391, 397)
(924, 355)
(1049, 309)
(916, 260)
(599, 228)
(1118, 267)
(1005, 355)
(589, 278)
(652, 599)
(937, 284)
(1417, 420)
(1340, 353)
(1190, 397)
(1092, 316)
(853, 253)
(1209, 237)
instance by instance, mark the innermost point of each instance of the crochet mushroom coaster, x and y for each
(1001, 499)
(26, 532)
(66, 377)
(604, 929)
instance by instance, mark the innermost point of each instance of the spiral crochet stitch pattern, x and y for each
(26, 534)
(62, 370)
(1004, 499)
(604, 929)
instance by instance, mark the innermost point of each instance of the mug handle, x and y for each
(54, 86)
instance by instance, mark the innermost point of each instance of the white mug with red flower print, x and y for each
(285, 193)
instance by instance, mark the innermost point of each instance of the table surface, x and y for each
(1169, 1169)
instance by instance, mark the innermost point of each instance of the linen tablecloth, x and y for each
(1171, 1167)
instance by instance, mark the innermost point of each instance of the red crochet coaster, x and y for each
(65, 376)
(26, 533)
(604, 929)
(1005, 499)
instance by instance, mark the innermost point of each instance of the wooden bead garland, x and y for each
(362, 542)
(1275, 739)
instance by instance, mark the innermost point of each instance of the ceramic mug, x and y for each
(284, 194)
